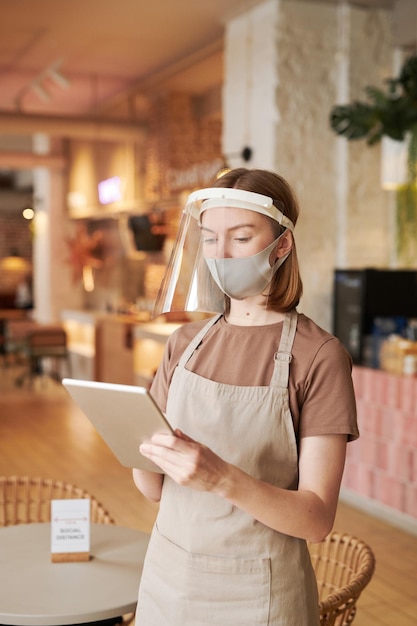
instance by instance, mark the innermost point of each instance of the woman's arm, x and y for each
(149, 483)
(307, 512)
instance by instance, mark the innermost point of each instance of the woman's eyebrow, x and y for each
(232, 228)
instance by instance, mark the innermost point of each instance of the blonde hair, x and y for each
(286, 287)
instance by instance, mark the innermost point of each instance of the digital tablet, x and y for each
(123, 415)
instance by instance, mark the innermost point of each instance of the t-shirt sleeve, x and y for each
(175, 346)
(329, 405)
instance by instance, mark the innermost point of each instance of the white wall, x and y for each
(284, 62)
(250, 111)
(53, 289)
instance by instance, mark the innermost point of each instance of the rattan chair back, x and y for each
(26, 500)
(344, 565)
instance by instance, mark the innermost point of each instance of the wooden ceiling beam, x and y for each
(72, 127)
(29, 160)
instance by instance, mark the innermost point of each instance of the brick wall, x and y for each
(178, 138)
(15, 238)
(15, 234)
(382, 464)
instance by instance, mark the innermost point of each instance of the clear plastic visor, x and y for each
(187, 284)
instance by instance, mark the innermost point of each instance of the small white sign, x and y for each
(70, 526)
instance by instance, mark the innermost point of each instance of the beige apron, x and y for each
(208, 562)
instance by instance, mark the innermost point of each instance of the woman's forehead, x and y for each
(231, 216)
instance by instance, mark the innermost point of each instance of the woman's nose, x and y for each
(219, 248)
(223, 250)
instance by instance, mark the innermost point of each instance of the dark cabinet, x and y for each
(369, 305)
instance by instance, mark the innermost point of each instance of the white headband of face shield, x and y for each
(219, 197)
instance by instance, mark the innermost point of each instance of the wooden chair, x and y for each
(7, 319)
(26, 500)
(44, 342)
(344, 565)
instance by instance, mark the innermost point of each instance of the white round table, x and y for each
(36, 592)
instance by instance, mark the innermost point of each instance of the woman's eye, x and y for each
(242, 239)
(209, 240)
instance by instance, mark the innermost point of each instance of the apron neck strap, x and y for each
(197, 340)
(283, 356)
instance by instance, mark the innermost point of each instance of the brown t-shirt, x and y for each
(321, 392)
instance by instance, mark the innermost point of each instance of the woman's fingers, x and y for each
(183, 436)
(184, 460)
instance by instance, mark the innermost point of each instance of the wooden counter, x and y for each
(114, 348)
(82, 337)
(149, 342)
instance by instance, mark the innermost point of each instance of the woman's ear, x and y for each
(284, 244)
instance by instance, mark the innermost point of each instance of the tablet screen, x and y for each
(123, 415)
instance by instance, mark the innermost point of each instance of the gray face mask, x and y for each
(244, 277)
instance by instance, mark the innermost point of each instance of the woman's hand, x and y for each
(186, 461)
(307, 512)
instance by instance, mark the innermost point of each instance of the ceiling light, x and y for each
(59, 78)
(40, 92)
(28, 213)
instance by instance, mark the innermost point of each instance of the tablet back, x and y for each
(123, 415)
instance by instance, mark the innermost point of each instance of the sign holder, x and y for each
(70, 530)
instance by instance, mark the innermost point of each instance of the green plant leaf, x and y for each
(353, 121)
(408, 78)
(392, 112)
(378, 98)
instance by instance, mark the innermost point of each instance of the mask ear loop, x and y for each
(279, 261)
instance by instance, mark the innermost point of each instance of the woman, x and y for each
(262, 402)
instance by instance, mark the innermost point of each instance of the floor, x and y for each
(43, 433)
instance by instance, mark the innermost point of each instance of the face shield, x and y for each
(216, 223)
